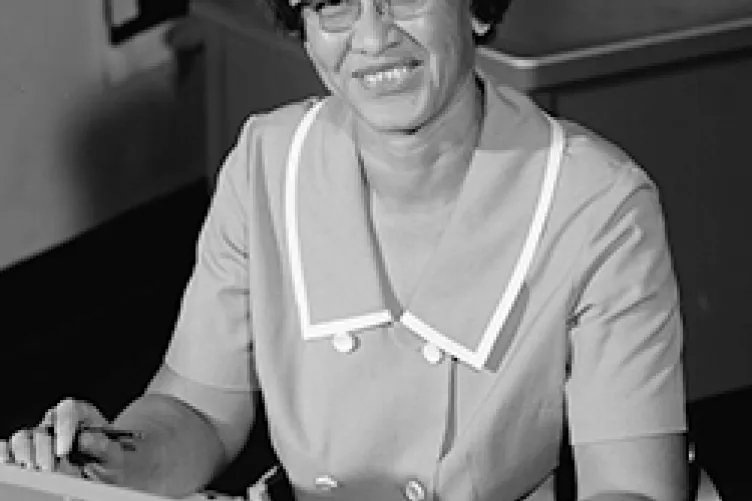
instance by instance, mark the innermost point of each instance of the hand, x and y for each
(59, 443)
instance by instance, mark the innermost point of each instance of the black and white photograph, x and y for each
(376, 250)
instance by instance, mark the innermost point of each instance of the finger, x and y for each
(5, 457)
(99, 446)
(49, 419)
(99, 473)
(69, 415)
(67, 468)
(44, 457)
(22, 449)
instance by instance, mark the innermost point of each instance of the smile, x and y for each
(386, 78)
(389, 75)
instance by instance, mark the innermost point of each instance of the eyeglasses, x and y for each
(340, 15)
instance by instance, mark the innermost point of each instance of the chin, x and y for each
(392, 124)
(393, 117)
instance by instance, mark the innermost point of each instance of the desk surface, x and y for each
(581, 24)
(19, 484)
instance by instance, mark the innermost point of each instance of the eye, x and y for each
(330, 7)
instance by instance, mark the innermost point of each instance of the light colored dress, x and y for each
(454, 384)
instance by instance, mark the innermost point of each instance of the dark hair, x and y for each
(491, 12)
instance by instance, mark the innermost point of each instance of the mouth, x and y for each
(386, 76)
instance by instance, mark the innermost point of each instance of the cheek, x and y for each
(448, 43)
(446, 59)
(327, 53)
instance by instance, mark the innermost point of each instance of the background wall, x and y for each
(87, 131)
(101, 197)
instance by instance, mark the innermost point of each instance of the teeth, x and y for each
(391, 75)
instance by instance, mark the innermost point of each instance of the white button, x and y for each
(432, 353)
(325, 483)
(343, 342)
(414, 491)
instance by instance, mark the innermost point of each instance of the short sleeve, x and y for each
(211, 344)
(626, 377)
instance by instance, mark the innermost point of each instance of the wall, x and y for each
(86, 132)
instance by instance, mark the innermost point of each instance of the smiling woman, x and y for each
(429, 279)
(395, 78)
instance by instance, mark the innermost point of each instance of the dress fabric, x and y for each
(593, 334)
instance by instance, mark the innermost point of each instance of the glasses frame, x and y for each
(383, 7)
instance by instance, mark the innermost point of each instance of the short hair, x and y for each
(490, 12)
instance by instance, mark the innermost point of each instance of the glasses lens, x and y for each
(404, 9)
(336, 15)
(340, 15)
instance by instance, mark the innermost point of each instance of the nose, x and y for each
(373, 31)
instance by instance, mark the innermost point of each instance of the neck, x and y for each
(423, 170)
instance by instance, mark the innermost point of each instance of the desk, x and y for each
(585, 39)
(668, 80)
(20, 484)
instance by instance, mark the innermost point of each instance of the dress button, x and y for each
(414, 491)
(432, 353)
(343, 342)
(325, 483)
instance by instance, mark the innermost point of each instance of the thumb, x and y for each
(69, 416)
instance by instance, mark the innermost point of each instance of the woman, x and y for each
(427, 278)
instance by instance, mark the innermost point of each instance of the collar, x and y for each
(474, 278)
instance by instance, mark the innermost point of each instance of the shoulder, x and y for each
(601, 191)
(598, 177)
(594, 161)
(275, 125)
(591, 165)
(263, 142)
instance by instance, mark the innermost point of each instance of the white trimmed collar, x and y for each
(473, 280)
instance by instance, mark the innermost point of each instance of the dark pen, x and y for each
(77, 456)
(107, 431)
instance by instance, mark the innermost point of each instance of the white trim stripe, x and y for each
(291, 216)
(343, 325)
(431, 335)
(555, 155)
(479, 357)
(307, 329)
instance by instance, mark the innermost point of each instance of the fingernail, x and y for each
(93, 471)
(59, 444)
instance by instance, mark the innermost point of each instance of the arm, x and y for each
(637, 469)
(199, 408)
(192, 432)
(625, 395)
(188, 432)
(197, 412)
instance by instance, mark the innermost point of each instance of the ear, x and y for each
(479, 28)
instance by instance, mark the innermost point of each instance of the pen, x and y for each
(107, 431)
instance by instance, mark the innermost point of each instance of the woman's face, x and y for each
(396, 74)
